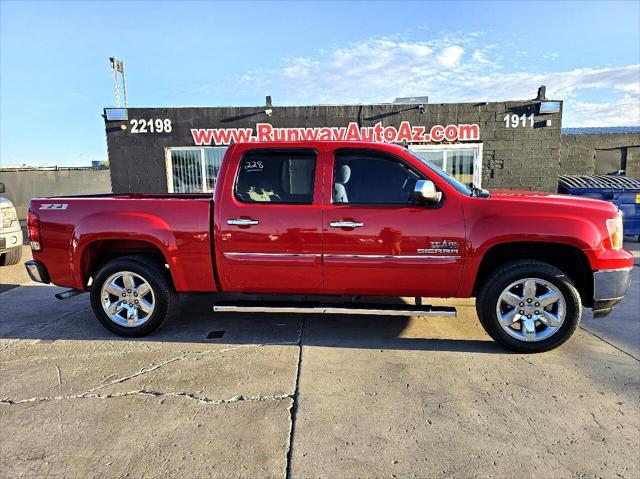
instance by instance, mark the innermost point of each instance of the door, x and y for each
(377, 241)
(269, 237)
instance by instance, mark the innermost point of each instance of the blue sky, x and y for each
(55, 75)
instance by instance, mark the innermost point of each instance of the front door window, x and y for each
(370, 180)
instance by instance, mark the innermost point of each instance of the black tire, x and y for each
(166, 298)
(11, 257)
(493, 287)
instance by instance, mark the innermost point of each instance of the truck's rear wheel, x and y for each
(132, 296)
(529, 306)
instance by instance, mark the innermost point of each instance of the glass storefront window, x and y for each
(193, 170)
(460, 165)
(434, 156)
(462, 161)
(187, 172)
(212, 162)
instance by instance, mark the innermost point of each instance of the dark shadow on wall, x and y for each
(381, 116)
(242, 117)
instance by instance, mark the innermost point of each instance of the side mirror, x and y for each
(425, 192)
(1, 188)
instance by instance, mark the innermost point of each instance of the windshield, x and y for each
(460, 187)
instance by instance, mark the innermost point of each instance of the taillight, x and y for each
(33, 229)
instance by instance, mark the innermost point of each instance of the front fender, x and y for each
(492, 230)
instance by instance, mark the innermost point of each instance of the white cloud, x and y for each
(451, 56)
(622, 112)
(298, 67)
(378, 70)
(480, 57)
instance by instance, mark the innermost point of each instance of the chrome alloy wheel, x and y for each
(531, 309)
(127, 299)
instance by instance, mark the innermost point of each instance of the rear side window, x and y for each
(371, 179)
(265, 177)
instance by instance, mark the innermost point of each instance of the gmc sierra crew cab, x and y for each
(337, 220)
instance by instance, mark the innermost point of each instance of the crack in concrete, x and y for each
(59, 375)
(139, 373)
(231, 400)
(147, 392)
(91, 393)
(293, 409)
(184, 355)
(8, 345)
(609, 343)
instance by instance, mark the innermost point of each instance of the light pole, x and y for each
(117, 66)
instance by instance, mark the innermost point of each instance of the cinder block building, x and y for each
(600, 151)
(509, 144)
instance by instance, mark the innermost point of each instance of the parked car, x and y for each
(337, 219)
(10, 232)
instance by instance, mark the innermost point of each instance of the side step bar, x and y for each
(70, 293)
(316, 308)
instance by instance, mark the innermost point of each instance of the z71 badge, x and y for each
(441, 247)
(53, 206)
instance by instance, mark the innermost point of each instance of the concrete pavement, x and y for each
(309, 396)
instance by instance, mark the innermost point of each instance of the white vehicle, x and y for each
(10, 232)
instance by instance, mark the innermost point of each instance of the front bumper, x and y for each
(37, 271)
(10, 239)
(609, 287)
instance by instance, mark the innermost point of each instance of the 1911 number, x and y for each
(152, 125)
(514, 121)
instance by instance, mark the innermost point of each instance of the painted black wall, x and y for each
(523, 157)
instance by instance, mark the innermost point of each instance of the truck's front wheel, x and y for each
(132, 296)
(529, 306)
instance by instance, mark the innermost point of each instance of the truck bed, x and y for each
(85, 228)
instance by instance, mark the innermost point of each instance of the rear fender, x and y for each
(124, 226)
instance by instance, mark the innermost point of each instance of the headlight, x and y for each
(8, 216)
(614, 227)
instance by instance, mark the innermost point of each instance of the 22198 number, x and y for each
(152, 125)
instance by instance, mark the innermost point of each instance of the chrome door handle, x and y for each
(346, 224)
(242, 222)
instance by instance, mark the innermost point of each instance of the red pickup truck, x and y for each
(337, 220)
